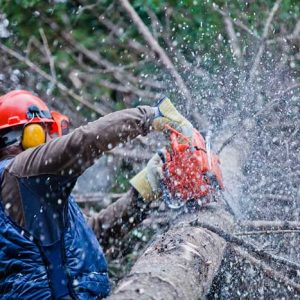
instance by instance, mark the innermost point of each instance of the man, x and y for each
(48, 251)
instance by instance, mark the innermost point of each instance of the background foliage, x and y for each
(240, 61)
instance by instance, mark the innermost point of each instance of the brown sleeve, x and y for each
(118, 218)
(71, 154)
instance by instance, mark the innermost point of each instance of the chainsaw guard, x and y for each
(171, 202)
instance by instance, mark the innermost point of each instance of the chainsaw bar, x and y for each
(176, 202)
(171, 201)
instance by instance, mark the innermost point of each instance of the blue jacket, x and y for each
(46, 248)
(30, 269)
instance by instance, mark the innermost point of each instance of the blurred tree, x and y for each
(235, 62)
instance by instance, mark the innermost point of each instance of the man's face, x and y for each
(34, 134)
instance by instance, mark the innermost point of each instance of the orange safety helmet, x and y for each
(61, 125)
(20, 107)
(23, 117)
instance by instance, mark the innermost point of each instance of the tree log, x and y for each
(181, 263)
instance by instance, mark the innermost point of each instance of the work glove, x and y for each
(147, 182)
(166, 113)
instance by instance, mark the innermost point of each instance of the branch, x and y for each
(118, 72)
(129, 88)
(119, 31)
(49, 55)
(32, 41)
(227, 142)
(93, 56)
(155, 24)
(166, 37)
(261, 49)
(97, 197)
(293, 36)
(267, 270)
(125, 87)
(158, 49)
(58, 84)
(131, 155)
(260, 232)
(246, 245)
(278, 97)
(236, 22)
(270, 225)
(234, 42)
(235, 45)
(90, 7)
(293, 135)
(262, 111)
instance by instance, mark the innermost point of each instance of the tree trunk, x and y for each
(181, 263)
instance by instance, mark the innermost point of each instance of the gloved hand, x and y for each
(147, 182)
(166, 113)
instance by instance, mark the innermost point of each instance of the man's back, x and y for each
(58, 255)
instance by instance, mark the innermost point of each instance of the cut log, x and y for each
(181, 263)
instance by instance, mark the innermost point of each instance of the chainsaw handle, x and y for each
(173, 141)
(176, 133)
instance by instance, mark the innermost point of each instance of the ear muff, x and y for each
(33, 135)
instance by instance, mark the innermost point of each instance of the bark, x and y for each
(181, 263)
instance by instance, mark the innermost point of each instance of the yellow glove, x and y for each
(168, 114)
(147, 182)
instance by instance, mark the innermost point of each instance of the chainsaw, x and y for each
(191, 172)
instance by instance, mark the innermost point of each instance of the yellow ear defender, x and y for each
(33, 135)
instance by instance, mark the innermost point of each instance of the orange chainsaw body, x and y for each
(190, 174)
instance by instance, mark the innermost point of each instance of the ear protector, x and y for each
(33, 135)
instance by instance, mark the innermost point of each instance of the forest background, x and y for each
(231, 67)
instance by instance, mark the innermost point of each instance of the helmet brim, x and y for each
(24, 122)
